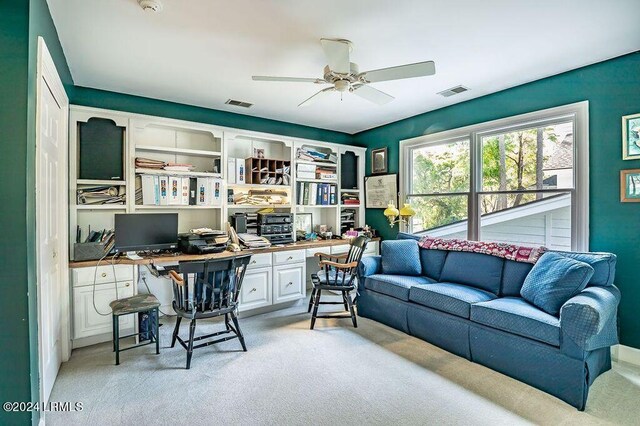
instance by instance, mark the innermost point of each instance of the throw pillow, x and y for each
(401, 257)
(553, 280)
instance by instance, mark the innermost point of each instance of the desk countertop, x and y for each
(179, 257)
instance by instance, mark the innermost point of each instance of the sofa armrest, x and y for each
(589, 319)
(369, 265)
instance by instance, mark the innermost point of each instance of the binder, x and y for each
(240, 172)
(305, 196)
(216, 192)
(186, 182)
(175, 191)
(156, 189)
(333, 199)
(193, 191)
(313, 194)
(164, 190)
(202, 195)
(148, 190)
(231, 170)
(325, 194)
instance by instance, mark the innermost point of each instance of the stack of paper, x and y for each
(253, 241)
(101, 195)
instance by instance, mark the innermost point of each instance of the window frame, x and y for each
(577, 112)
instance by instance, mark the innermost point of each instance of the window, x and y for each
(520, 180)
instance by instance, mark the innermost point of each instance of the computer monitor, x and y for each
(148, 231)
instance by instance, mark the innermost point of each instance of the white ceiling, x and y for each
(203, 52)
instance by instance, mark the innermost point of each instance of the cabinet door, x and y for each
(289, 283)
(256, 289)
(86, 321)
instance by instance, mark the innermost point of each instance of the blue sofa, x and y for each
(470, 304)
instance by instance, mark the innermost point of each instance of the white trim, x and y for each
(622, 353)
(578, 111)
(46, 73)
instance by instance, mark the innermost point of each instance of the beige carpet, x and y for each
(333, 375)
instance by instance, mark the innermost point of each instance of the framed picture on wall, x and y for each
(379, 191)
(304, 222)
(379, 161)
(630, 186)
(631, 137)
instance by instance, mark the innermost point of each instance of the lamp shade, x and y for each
(406, 210)
(391, 211)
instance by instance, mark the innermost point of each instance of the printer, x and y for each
(203, 242)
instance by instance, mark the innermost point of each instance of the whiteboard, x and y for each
(380, 190)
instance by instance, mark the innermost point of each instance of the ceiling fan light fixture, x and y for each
(342, 85)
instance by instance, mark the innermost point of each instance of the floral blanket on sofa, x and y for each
(505, 251)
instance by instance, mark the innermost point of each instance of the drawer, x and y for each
(289, 283)
(286, 257)
(260, 260)
(104, 274)
(256, 289)
(86, 321)
(312, 252)
(343, 248)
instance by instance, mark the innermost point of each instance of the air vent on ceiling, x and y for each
(453, 91)
(238, 103)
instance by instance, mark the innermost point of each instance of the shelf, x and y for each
(317, 163)
(177, 173)
(257, 186)
(335, 181)
(183, 151)
(172, 207)
(349, 190)
(100, 182)
(317, 206)
(101, 207)
(258, 206)
(349, 206)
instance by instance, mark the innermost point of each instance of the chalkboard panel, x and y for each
(101, 145)
(349, 170)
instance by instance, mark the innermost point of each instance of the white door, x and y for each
(51, 212)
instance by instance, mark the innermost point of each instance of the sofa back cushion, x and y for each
(603, 264)
(553, 280)
(477, 270)
(401, 257)
(431, 261)
(513, 275)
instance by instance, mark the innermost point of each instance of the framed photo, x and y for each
(631, 137)
(379, 161)
(380, 190)
(304, 222)
(630, 186)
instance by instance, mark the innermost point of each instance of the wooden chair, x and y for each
(337, 273)
(208, 289)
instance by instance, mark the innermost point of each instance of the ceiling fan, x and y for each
(344, 75)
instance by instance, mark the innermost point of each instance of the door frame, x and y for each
(47, 74)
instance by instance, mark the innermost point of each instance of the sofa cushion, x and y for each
(553, 280)
(513, 276)
(394, 285)
(515, 315)
(431, 261)
(474, 269)
(603, 264)
(401, 257)
(452, 298)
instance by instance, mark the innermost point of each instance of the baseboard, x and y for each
(625, 354)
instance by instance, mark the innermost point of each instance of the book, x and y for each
(306, 175)
(310, 168)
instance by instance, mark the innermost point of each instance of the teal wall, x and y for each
(136, 104)
(613, 90)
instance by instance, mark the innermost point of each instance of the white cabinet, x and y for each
(87, 321)
(289, 282)
(256, 289)
(287, 257)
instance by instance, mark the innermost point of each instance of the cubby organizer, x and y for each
(266, 171)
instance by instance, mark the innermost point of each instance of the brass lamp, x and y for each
(405, 213)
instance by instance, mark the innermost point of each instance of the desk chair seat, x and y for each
(337, 273)
(140, 303)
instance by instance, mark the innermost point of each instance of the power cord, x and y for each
(144, 280)
(95, 277)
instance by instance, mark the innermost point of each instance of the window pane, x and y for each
(527, 219)
(536, 158)
(440, 215)
(440, 168)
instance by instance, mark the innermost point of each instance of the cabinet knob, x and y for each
(290, 258)
(104, 274)
(290, 283)
(253, 262)
(252, 290)
(127, 284)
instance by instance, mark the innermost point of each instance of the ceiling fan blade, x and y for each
(288, 79)
(313, 99)
(372, 95)
(337, 53)
(420, 69)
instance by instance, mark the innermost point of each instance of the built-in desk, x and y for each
(276, 277)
